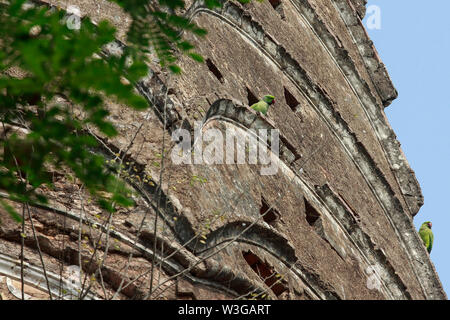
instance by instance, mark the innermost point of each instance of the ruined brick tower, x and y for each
(335, 221)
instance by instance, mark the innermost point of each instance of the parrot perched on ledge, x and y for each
(427, 235)
(263, 105)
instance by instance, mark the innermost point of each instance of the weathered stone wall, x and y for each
(338, 213)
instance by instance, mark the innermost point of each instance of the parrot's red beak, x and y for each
(273, 101)
(430, 225)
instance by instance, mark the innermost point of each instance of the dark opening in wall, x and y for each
(252, 99)
(275, 3)
(266, 273)
(291, 148)
(311, 213)
(290, 100)
(270, 215)
(314, 219)
(278, 6)
(212, 67)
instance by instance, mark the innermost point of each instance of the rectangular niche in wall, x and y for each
(214, 70)
(270, 215)
(266, 273)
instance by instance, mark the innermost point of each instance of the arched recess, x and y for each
(251, 233)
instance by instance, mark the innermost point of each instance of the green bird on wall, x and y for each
(263, 105)
(427, 235)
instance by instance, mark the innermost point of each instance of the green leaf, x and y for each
(196, 57)
(175, 69)
(213, 3)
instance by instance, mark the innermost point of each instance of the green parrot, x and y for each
(427, 235)
(263, 105)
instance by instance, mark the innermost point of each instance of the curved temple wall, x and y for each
(334, 222)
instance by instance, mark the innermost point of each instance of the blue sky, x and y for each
(414, 44)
